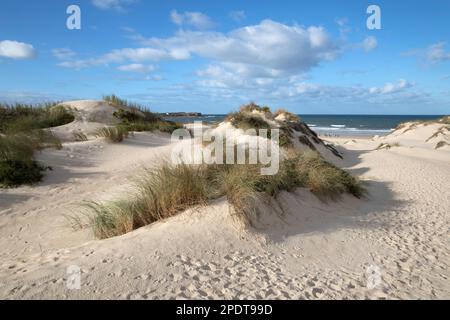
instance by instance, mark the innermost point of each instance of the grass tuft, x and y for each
(387, 146)
(113, 134)
(441, 144)
(80, 136)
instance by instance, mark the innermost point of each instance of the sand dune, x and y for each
(314, 250)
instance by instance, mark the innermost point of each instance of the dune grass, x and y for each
(162, 193)
(23, 130)
(249, 108)
(20, 117)
(414, 124)
(166, 191)
(80, 136)
(245, 121)
(17, 165)
(113, 134)
(290, 117)
(137, 118)
(441, 144)
(445, 120)
(387, 146)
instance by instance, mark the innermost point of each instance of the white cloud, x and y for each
(369, 43)
(392, 87)
(124, 55)
(344, 29)
(112, 4)
(191, 19)
(16, 50)
(270, 45)
(436, 53)
(136, 67)
(63, 53)
(238, 16)
(269, 49)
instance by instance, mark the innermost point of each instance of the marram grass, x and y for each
(166, 191)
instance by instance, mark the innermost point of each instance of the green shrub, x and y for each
(17, 165)
(14, 173)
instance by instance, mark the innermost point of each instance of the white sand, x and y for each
(316, 251)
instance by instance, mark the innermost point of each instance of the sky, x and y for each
(311, 57)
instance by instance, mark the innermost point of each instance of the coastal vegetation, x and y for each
(113, 134)
(23, 130)
(136, 118)
(166, 191)
(387, 146)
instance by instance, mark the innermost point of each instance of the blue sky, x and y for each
(212, 56)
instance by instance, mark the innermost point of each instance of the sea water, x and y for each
(337, 125)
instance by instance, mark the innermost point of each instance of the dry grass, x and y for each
(137, 118)
(441, 144)
(290, 117)
(166, 191)
(113, 134)
(445, 120)
(80, 136)
(162, 193)
(387, 146)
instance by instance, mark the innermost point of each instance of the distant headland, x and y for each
(181, 114)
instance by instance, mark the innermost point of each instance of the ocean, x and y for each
(336, 125)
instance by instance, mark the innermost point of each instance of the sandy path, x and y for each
(318, 251)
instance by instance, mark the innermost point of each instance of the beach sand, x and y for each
(394, 244)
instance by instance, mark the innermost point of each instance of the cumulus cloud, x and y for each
(136, 67)
(16, 50)
(369, 43)
(112, 4)
(270, 44)
(270, 49)
(191, 19)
